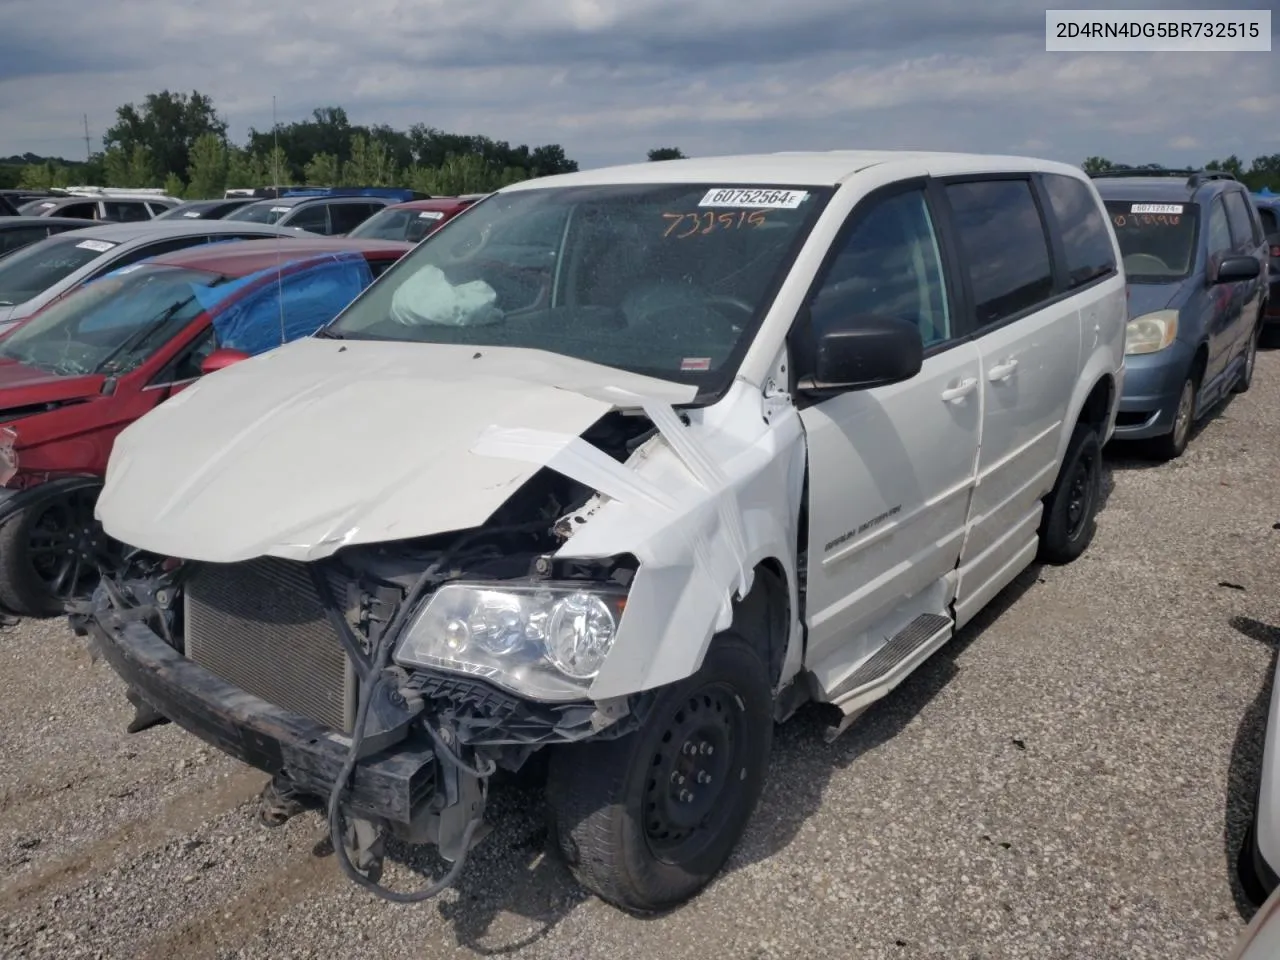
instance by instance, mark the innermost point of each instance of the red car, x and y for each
(81, 370)
(414, 219)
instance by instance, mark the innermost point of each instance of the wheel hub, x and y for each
(691, 767)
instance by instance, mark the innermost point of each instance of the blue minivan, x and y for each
(1195, 258)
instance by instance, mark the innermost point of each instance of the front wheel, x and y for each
(51, 551)
(647, 820)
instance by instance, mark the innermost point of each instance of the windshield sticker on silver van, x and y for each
(754, 197)
(1155, 208)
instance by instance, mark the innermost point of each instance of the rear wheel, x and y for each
(1072, 506)
(1171, 445)
(647, 820)
(1250, 360)
(51, 552)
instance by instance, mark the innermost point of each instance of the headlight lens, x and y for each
(544, 640)
(1151, 332)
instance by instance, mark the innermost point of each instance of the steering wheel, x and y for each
(717, 301)
(1145, 263)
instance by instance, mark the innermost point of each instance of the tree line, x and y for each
(1262, 171)
(179, 142)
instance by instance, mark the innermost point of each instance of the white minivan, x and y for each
(621, 468)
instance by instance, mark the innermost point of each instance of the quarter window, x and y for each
(888, 265)
(1006, 251)
(1084, 231)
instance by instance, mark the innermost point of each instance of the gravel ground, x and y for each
(1068, 779)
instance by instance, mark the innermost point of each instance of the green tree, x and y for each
(245, 169)
(44, 176)
(130, 168)
(1092, 165)
(167, 125)
(173, 186)
(207, 174)
(323, 170)
(371, 164)
(666, 153)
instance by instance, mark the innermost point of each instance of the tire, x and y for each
(618, 809)
(1171, 445)
(32, 542)
(1071, 509)
(1250, 361)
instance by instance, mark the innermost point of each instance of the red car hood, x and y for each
(22, 386)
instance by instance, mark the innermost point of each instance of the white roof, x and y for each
(814, 168)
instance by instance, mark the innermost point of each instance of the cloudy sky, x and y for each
(609, 79)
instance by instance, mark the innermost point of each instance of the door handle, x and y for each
(960, 390)
(1002, 371)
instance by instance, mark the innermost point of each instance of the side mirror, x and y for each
(1235, 269)
(864, 352)
(220, 359)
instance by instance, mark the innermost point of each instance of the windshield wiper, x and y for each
(325, 333)
(143, 334)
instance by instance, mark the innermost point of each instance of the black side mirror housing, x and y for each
(1236, 269)
(864, 352)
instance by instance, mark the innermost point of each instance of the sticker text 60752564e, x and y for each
(754, 197)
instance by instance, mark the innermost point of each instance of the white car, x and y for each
(624, 466)
(1259, 861)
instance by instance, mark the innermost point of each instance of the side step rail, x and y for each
(888, 667)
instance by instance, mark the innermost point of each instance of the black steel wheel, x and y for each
(52, 551)
(1071, 508)
(645, 821)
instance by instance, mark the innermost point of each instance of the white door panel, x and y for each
(890, 476)
(1030, 369)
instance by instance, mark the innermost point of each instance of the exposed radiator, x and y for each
(259, 625)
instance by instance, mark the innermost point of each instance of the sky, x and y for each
(610, 79)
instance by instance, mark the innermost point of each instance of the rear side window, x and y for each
(313, 218)
(126, 211)
(84, 211)
(11, 240)
(347, 216)
(1005, 248)
(1242, 230)
(1268, 218)
(1084, 231)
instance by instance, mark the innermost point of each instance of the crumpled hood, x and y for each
(323, 443)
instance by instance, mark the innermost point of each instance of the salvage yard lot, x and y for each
(1069, 779)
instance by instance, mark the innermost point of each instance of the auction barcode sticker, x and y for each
(1156, 208)
(754, 197)
(97, 246)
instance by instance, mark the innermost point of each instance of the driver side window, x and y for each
(186, 365)
(1219, 232)
(888, 265)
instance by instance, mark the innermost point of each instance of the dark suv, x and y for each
(1268, 207)
(1196, 262)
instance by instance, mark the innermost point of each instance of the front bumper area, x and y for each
(389, 786)
(1152, 384)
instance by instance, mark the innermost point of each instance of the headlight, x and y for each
(543, 640)
(8, 454)
(1151, 332)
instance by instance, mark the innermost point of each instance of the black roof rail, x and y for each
(1194, 177)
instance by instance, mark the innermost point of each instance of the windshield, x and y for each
(664, 280)
(34, 269)
(112, 324)
(268, 212)
(393, 224)
(1157, 240)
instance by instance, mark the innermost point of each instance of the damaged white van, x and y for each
(621, 467)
